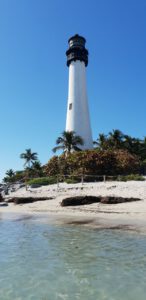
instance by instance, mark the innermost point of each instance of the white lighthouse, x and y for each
(78, 119)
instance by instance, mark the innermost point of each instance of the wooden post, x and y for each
(82, 179)
(104, 178)
(57, 182)
(119, 177)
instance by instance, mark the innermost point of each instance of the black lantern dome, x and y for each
(77, 50)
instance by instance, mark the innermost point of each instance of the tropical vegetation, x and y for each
(118, 140)
(114, 154)
(29, 157)
(68, 142)
(42, 181)
(94, 163)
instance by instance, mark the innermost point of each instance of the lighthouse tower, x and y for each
(78, 119)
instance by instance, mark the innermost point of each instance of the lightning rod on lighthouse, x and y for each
(78, 119)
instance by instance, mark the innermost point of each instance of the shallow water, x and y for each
(51, 262)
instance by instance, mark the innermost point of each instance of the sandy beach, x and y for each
(126, 215)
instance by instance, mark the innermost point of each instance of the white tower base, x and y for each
(77, 110)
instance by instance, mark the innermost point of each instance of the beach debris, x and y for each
(80, 222)
(111, 187)
(85, 200)
(24, 200)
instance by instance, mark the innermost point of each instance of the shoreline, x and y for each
(91, 222)
(130, 215)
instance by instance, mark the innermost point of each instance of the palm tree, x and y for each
(101, 141)
(10, 176)
(143, 150)
(116, 139)
(29, 157)
(128, 142)
(37, 168)
(10, 173)
(68, 142)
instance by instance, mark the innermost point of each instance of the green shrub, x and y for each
(72, 180)
(131, 177)
(43, 180)
(91, 178)
(112, 178)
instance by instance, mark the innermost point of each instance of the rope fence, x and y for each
(70, 179)
(87, 178)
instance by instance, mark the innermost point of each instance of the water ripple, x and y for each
(48, 262)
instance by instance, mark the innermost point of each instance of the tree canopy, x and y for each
(29, 157)
(68, 141)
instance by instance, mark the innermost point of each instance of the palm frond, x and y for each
(58, 148)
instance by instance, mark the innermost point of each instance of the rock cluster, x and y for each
(84, 200)
(1, 198)
(24, 200)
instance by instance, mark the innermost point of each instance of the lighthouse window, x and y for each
(70, 106)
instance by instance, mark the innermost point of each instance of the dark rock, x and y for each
(22, 185)
(116, 200)
(6, 191)
(9, 200)
(3, 204)
(23, 200)
(84, 200)
(1, 198)
(35, 185)
(80, 200)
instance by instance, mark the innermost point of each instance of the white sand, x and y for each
(125, 214)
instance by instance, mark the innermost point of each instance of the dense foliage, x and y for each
(118, 140)
(17, 176)
(132, 177)
(93, 162)
(114, 154)
(36, 170)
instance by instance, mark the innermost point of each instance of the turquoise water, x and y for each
(50, 262)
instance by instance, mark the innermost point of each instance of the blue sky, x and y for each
(34, 75)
